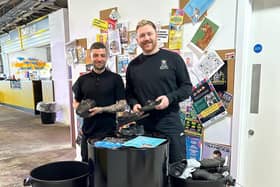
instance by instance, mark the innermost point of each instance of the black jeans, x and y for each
(84, 149)
(170, 125)
(177, 147)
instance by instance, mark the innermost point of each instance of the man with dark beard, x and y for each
(107, 90)
(161, 75)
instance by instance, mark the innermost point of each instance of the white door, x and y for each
(262, 160)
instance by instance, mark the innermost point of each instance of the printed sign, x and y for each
(209, 148)
(101, 24)
(193, 147)
(207, 103)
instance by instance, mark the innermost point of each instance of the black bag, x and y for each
(84, 106)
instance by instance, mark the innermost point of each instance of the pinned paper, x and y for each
(204, 34)
(101, 24)
(195, 8)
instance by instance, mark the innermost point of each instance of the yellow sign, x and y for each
(101, 24)
(30, 64)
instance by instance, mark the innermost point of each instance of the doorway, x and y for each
(259, 127)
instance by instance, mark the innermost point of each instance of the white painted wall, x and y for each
(58, 25)
(82, 13)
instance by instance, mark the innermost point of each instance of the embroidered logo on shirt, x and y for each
(163, 65)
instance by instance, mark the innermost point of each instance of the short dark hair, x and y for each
(144, 22)
(98, 45)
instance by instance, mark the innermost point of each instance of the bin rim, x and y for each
(58, 181)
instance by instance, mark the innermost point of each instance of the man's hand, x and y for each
(95, 110)
(163, 104)
(136, 108)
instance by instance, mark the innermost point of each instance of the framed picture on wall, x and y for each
(122, 63)
(132, 43)
(123, 30)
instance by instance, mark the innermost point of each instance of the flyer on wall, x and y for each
(219, 79)
(175, 29)
(122, 63)
(196, 8)
(226, 98)
(101, 37)
(190, 62)
(209, 148)
(204, 34)
(132, 43)
(207, 103)
(192, 124)
(123, 30)
(204, 68)
(194, 147)
(114, 42)
(208, 65)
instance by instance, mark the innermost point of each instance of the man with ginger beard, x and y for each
(160, 75)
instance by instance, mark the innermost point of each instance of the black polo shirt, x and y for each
(105, 88)
(150, 76)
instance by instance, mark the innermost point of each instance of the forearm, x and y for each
(75, 104)
(180, 94)
(119, 106)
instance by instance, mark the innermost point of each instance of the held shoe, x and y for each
(84, 106)
(150, 106)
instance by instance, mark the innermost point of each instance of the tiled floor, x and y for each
(26, 144)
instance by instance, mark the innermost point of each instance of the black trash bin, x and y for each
(128, 166)
(47, 112)
(59, 174)
(177, 182)
(48, 117)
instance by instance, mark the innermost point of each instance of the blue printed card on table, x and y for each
(144, 142)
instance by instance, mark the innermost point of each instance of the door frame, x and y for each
(239, 140)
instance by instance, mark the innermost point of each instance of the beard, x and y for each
(150, 48)
(99, 68)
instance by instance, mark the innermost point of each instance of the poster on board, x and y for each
(192, 124)
(196, 8)
(122, 63)
(207, 103)
(208, 65)
(193, 147)
(204, 34)
(208, 149)
(114, 42)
